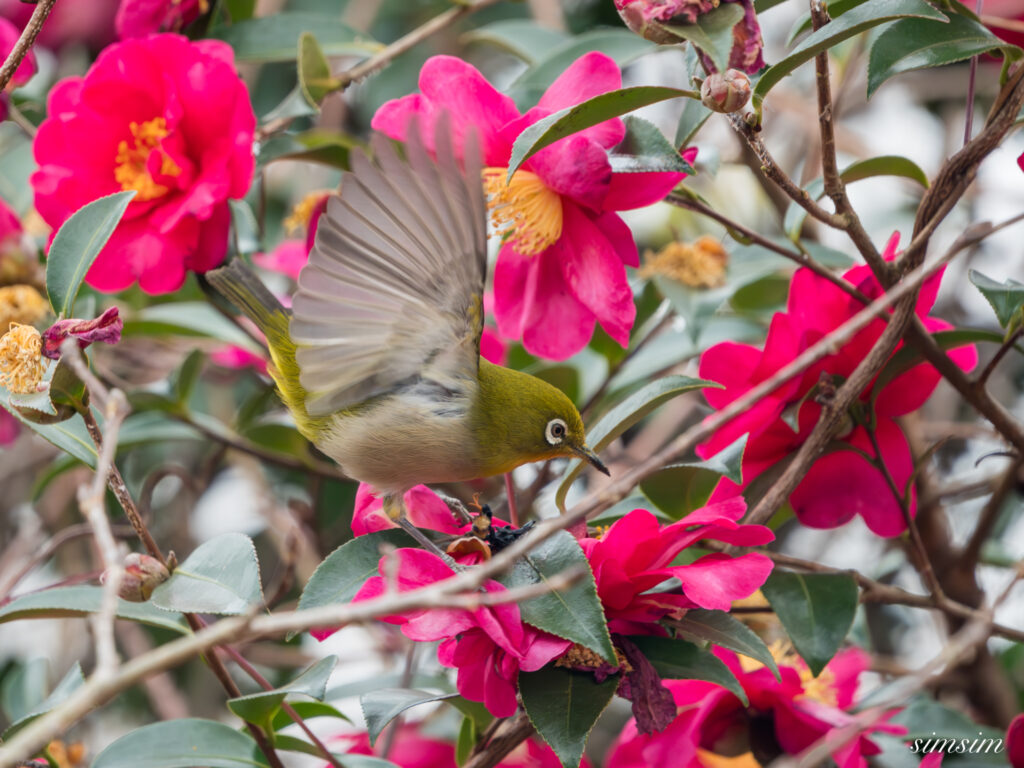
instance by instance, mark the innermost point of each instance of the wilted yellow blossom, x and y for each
(700, 265)
(302, 213)
(22, 364)
(21, 304)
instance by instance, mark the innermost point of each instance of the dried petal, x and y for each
(106, 328)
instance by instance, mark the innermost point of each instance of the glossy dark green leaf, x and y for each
(71, 681)
(575, 613)
(681, 660)
(221, 576)
(82, 600)
(523, 38)
(77, 244)
(626, 414)
(816, 610)
(1006, 297)
(382, 706)
(466, 740)
(853, 22)
(260, 707)
(728, 462)
(184, 380)
(563, 706)
(719, 628)
(570, 120)
(836, 8)
(276, 37)
(316, 146)
(315, 80)
(620, 44)
(346, 569)
(912, 44)
(645, 150)
(712, 32)
(182, 743)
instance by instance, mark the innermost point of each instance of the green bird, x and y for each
(379, 358)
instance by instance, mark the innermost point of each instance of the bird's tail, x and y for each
(242, 287)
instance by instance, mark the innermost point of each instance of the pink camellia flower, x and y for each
(561, 268)
(646, 17)
(10, 428)
(71, 22)
(138, 18)
(288, 258)
(423, 508)
(1015, 742)
(169, 119)
(841, 484)
(784, 717)
(635, 555)
(411, 748)
(9, 35)
(488, 645)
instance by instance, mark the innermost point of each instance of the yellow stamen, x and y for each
(302, 213)
(711, 760)
(821, 688)
(701, 265)
(22, 364)
(131, 171)
(525, 210)
(21, 304)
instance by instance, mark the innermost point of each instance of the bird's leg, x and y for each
(394, 508)
(459, 511)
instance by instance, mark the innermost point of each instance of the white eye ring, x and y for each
(555, 431)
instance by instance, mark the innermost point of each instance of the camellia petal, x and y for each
(636, 190)
(590, 75)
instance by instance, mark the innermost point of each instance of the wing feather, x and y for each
(393, 286)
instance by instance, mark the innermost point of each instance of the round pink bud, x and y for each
(142, 574)
(727, 91)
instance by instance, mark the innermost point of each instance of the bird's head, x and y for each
(520, 418)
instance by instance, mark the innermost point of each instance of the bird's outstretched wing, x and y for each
(393, 288)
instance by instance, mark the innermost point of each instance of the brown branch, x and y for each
(990, 514)
(514, 733)
(1007, 345)
(25, 41)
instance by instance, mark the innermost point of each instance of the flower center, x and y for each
(133, 165)
(821, 688)
(525, 210)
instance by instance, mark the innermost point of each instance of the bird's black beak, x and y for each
(590, 456)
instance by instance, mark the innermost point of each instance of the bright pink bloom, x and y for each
(562, 266)
(635, 555)
(138, 18)
(1015, 742)
(800, 709)
(233, 356)
(413, 749)
(168, 118)
(488, 645)
(840, 484)
(71, 22)
(423, 509)
(288, 258)
(8, 37)
(10, 428)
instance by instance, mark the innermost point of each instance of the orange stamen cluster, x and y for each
(131, 172)
(700, 265)
(524, 210)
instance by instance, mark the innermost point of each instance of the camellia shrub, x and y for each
(769, 250)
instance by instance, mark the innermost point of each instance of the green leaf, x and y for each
(307, 710)
(323, 147)
(645, 149)
(719, 628)
(620, 44)
(346, 569)
(853, 22)
(681, 660)
(70, 436)
(523, 38)
(913, 44)
(261, 707)
(570, 120)
(68, 684)
(728, 462)
(382, 706)
(82, 600)
(884, 165)
(466, 741)
(712, 33)
(691, 120)
(276, 38)
(563, 706)
(187, 375)
(836, 8)
(245, 229)
(187, 318)
(221, 576)
(1006, 298)
(182, 744)
(576, 613)
(626, 414)
(816, 610)
(77, 244)
(315, 80)
(24, 688)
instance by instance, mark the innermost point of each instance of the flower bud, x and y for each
(727, 91)
(142, 574)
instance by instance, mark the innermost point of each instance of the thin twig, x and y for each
(1000, 353)
(25, 41)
